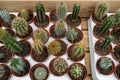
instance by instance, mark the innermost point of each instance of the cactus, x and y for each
(2, 71)
(40, 11)
(71, 34)
(61, 11)
(40, 73)
(24, 14)
(4, 14)
(101, 10)
(38, 46)
(20, 26)
(105, 63)
(54, 47)
(75, 12)
(41, 35)
(2, 55)
(117, 17)
(60, 28)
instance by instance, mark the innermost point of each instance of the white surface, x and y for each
(32, 62)
(94, 57)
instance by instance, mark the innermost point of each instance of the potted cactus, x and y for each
(76, 52)
(5, 72)
(39, 72)
(22, 29)
(57, 47)
(58, 66)
(100, 12)
(19, 66)
(77, 71)
(58, 30)
(117, 72)
(73, 20)
(27, 14)
(6, 18)
(104, 47)
(41, 19)
(105, 66)
(39, 51)
(59, 13)
(74, 35)
(41, 34)
(102, 30)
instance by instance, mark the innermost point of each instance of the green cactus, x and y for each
(41, 35)
(60, 28)
(40, 73)
(24, 14)
(20, 26)
(40, 11)
(117, 17)
(4, 14)
(75, 12)
(2, 71)
(2, 55)
(71, 34)
(54, 47)
(101, 10)
(61, 11)
(105, 63)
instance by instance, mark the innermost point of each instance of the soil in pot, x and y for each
(39, 72)
(53, 16)
(11, 32)
(77, 71)
(117, 72)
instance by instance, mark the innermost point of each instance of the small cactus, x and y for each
(75, 12)
(117, 17)
(41, 35)
(2, 71)
(2, 55)
(54, 47)
(60, 28)
(101, 10)
(20, 26)
(24, 14)
(105, 63)
(61, 11)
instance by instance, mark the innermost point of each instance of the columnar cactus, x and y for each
(75, 12)
(61, 10)
(2, 71)
(24, 14)
(40, 11)
(41, 35)
(117, 17)
(101, 10)
(60, 28)
(20, 26)
(2, 55)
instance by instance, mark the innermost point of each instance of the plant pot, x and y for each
(55, 71)
(104, 51)
(26, 49)
(72, 24)
(41, 24)
(32, 71)
(7, 73)
(53, 16)
(40, 57)
(23, 73)
(53, 34)
(79, 77)
(8, 54)
(108, 71)
(30, 16)
(96, 33)
(117, 72)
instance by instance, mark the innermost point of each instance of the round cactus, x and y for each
(2, 71)
(24, 14)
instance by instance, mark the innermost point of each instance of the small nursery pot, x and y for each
(102, 52)
(30, 17)
(32, 76)
(7, 73)
(117, 72)
(26, 69)
(53, 16)
(83, 77)
(72, 24)
(103, 71)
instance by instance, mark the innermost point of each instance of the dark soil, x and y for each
(11, 32)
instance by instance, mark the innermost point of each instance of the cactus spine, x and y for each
(24, 14)
(20, 26)
(40, 11)
(75, 12)
(60, 28)
(61, 11)
(2, 55)
(117, 17)
(101, 10)
(2, 71)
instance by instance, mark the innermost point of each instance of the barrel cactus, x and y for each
(24, 13)
(101, 10)
(2, 55)
(60, 28)
(2, 71)
(117, 17)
